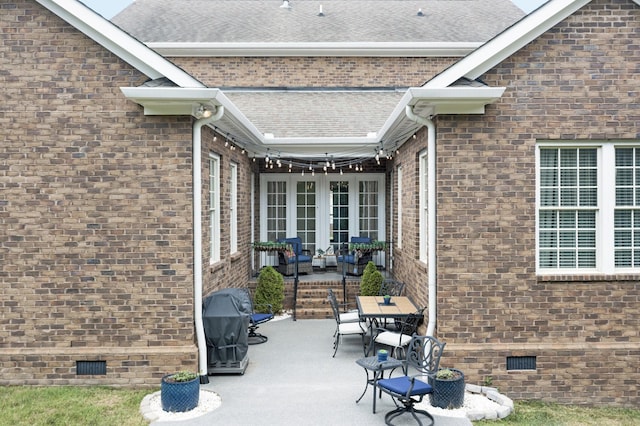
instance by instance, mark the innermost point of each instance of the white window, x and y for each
(588, 207)
(233, 209)
(214, 207)
(424, 206)
(399, 176)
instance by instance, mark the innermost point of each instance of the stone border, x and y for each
(506, 404)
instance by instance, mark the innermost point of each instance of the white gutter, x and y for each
(197, 239)
(311, 49)
(431, 212)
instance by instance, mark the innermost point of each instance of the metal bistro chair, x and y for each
(398, 340)
(349, 316)
(391, 288)
(345, 328)
(423, 356)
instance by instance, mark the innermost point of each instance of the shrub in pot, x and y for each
(180, 391)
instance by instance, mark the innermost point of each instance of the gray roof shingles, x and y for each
(317, 113)
(248, 21)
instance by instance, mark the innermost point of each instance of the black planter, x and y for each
(448, 393)
(179, 396)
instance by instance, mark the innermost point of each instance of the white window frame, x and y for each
(214, 208)
(605, 209)
(399, 207)
(423, 169)
(233, 209)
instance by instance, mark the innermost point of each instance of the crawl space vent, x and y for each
(521, 363)
(91, 368)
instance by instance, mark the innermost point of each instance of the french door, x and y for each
(323, 210)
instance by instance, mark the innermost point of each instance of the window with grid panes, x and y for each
(589, 208)
(627, 211)
(568, 206)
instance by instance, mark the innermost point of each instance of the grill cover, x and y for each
(225, 316)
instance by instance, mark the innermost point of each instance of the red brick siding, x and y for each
(578, 81)
(313, 72)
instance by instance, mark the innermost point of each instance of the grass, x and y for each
(70, 405)
(534, 413)
(98, 406)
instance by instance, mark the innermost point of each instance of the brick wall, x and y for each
(95, 210)
(313, 72)
(578, 81)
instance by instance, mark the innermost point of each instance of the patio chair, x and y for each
(287, 261)
(257, 318)
(349, 316)
(353, 262)
(423, 357)
(398, 340)
(345, 328)
(392, 288)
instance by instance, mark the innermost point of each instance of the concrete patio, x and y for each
(293, 380)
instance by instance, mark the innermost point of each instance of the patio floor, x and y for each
(293, 380)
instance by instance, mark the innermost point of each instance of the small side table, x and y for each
(319, 262)
(377, 368)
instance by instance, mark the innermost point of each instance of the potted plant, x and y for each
(448, 389)
(180, 391)
(371, 280)
(387, 299)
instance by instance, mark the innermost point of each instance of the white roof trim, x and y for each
(182, 101)
(390, 49)
(508, 42)
(119, 42)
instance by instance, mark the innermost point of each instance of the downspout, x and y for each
(431, 211)
(197, 239)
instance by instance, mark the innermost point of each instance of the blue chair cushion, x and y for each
(360, 240)
(260, 318)
(301, 259)
(401, 385)
(347, 259)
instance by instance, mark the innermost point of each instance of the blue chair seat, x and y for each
(301, 259)
(401, 385)
(260, 318)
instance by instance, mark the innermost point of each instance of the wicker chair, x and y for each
(287, 262)
(354, 262)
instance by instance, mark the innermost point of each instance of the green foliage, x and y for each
(71, 406)
(270, 291)
(445, 374)
(183, 376)
(371, 280)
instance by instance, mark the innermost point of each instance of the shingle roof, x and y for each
(343, 21)
(317, 114)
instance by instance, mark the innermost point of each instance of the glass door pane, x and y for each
(339, 213)
(306, 214)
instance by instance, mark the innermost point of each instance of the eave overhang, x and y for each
(396, 130)
(429, 102)
(348, 49)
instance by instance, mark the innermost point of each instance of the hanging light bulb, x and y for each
(341, 172)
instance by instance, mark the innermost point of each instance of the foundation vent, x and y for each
(521, 363)
(91, 368)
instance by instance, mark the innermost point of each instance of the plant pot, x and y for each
(448, 393)
(179, 396)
